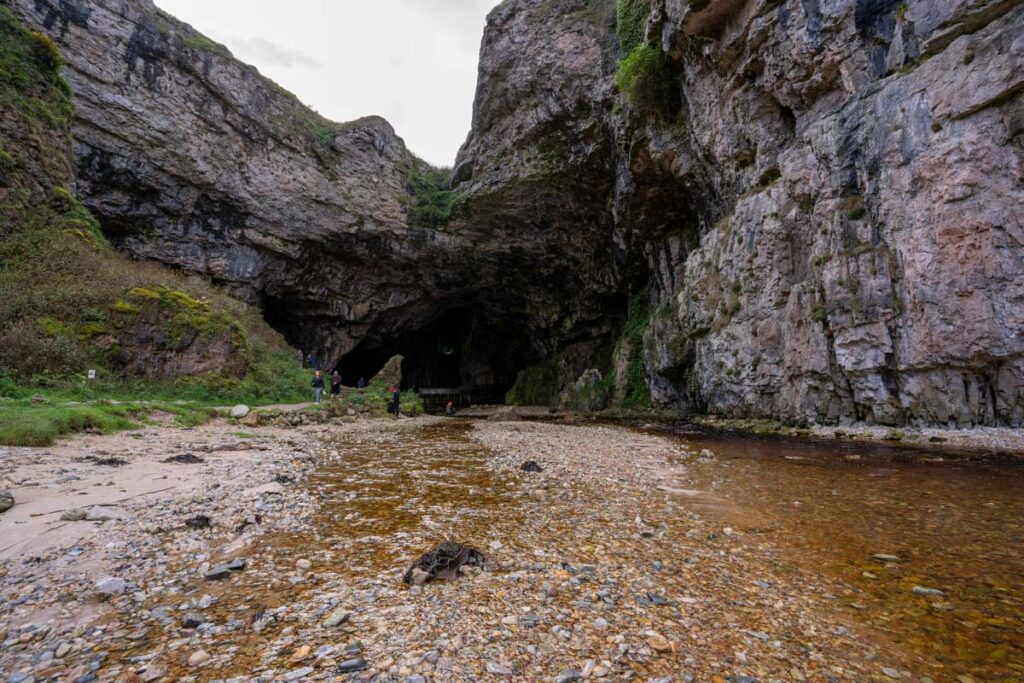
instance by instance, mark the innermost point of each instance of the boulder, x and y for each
(239, 411)
(6, 501)
(390, 374)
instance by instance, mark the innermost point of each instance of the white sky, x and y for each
(413, 62)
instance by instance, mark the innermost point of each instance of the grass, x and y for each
(29, 422)
(645, 79)
(374, 399)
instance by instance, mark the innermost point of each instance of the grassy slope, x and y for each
(66, 298)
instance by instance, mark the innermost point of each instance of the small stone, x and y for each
(239, 411)
(199, 658)
(531, 466)
(300, 654)
(298, 673)
(303, 564)
(569, 676)
(660, 643)
(885, 557)
(924, 590)
(237, 564)
(74, 515)
(112, 586)
(890, 672)
(62, 650)
(192, 620)
(418, 577)
(499, 669)
(221, 571)
(336, 618)
(350, 665)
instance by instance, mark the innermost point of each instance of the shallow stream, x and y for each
(955, 521)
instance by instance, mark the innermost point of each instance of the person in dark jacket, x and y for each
(335, 384)
(362, 383)
(393, 406)
(318, 386)
(449, 409)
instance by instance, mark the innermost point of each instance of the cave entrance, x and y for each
(473, 361)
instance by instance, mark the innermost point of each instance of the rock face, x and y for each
(832, 224)
(823, 219)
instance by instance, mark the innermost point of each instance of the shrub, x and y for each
(630, 23)
(646, 81)
(45, 51)
(434, 199)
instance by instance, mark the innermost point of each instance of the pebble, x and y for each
(350, 665)
(569, 676)
(924, 590)
(336, 618)
(74, 515)
(198, 658)
(111, 586)
(298, 673)
(499, 669)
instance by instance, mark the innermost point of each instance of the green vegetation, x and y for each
(46, 416)
(535, 386)
(637, 395)
(374, 400)
(819, 314)
(30, 84)
(769, 177)
(645, 79)
(631, 23)
(69, 301)
(434, 200)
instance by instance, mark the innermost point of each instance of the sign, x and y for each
(92, 374)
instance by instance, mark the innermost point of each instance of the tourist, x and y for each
(318, 386)
(362, 383)
(335, 383)
(393, 406)
(449, 409)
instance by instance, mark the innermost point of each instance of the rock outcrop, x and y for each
(830, 215)
(822, 219)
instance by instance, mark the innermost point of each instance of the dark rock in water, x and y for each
(350, 665)
(443, 562)
(221, 571)
(284, 479)
(531, 466)
(192, 620)
(198, 522)
(107, 462)
(186, 459)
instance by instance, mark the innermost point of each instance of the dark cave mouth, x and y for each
(473, 354)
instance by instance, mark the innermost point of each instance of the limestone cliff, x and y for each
(799, 209)
(829, 205)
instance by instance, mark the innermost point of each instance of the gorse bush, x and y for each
(646, 81)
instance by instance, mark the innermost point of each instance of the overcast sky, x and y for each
(411, 61)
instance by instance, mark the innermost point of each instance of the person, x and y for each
(318, 386)
(362, 383)
(393, 406)
(335, 383)
(449, 409)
